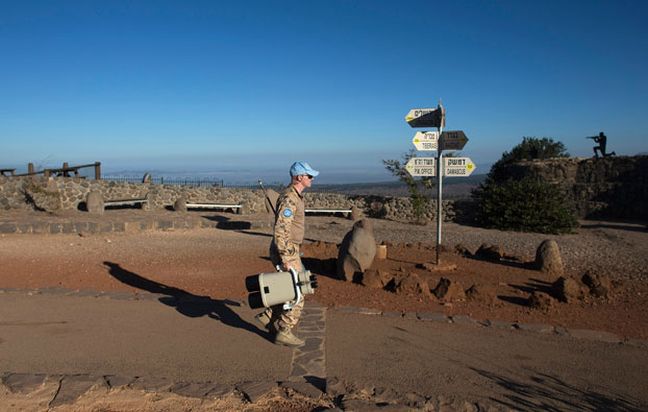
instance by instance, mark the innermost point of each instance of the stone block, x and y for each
(8, 228)
(73, 386)
(463, 320)
(24, 228)
(595, 335)
(81, 227)
(433, 317)
(164, 224)
(535, 327)
(253, 391)
(303, 388)
(23, 382)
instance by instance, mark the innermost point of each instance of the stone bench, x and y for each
(96, 204)
(127, 202)
(181, 205)
(344, 212)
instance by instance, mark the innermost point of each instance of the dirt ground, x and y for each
(215, 262)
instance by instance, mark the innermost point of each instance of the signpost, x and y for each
(453, 140)
(439, 141)
(421, 166)
(426, 141)
(457, 166)
(426, 117)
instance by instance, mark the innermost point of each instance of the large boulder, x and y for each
(548, 258)
(357, 250)
(95, 203)
(449, 290)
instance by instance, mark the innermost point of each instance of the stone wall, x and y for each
(612, 187)
(67, 193)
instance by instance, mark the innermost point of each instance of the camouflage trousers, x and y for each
(284, 320)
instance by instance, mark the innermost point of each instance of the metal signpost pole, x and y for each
(439, 191)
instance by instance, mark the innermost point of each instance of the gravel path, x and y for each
(618, 249)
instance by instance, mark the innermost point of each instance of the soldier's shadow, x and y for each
(186, 303)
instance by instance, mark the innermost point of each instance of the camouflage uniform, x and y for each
(284, 250)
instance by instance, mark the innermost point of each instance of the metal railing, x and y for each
(180, 181)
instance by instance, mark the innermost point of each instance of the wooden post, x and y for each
(30, 168)
(97, 170)
(65, 166)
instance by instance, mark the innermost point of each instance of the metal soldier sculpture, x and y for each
(284, 250)
(601, 139)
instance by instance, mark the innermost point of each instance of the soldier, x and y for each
(284, 250)
(601, 139)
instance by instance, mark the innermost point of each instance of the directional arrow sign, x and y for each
(453, 140)
(421, 166)
(458, 166)
(426, 117)
(426, 141)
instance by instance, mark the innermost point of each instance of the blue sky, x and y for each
(242, 89)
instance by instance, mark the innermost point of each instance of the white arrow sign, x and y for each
(458, 166)
(421, 166)
(426, 141)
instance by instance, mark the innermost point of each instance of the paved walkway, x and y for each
(173, 341)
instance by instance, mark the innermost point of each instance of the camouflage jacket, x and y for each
(289, 224)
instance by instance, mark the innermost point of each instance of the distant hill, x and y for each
(453, 188)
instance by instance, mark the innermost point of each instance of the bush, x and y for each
(414, 186)
(531, 148)
(527, 205)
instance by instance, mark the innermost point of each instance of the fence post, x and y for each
(97, 166)
(65, 166)
(30, 168)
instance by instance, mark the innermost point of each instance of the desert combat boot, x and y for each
(264, 320)
(287, 338)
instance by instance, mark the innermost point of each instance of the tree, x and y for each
(527, 203)
(415, 187)
(530, 148)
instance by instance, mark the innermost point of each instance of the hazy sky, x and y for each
(219, 87)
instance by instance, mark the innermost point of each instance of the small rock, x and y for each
(599, 285)
(412, 283)
(548, 258)
(449, 290)
(541, 301)
(374, 278)
(462, 250)
(568, 290)
(482, 293)
(489, 252)
(180, 205)
(95, 203)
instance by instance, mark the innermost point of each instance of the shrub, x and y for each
(530, 148)
(414, 186)
(528, 205)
